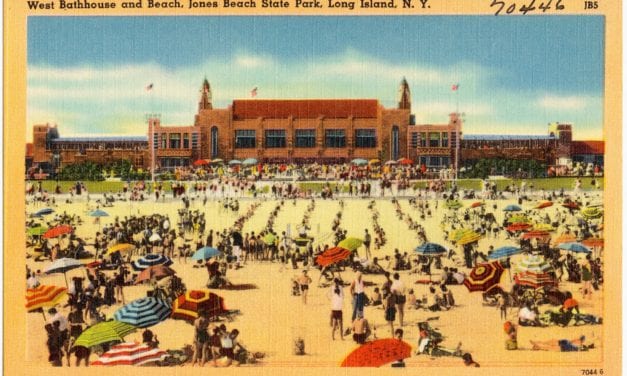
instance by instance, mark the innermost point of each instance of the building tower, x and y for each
(205, 97)
(404, 96)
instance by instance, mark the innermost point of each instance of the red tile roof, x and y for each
(304, 108)
(29, 150)
(588, 147)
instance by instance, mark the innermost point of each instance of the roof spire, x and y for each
(404, 96)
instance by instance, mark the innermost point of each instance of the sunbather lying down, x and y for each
(562, 345)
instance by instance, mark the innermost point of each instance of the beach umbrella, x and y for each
(151, 259)
(234, 162)
(518, 226)
(143, 312)
(130, 354)
(512, 208)
(564, 238)
(187, 306)
(250, 162)
(534, 279)
(374, 161)
(593, 242)
(63, 265)
(44, 296)
(574, 247)
(36, 231)
(98, 213)
(591, 212)
(476, 204)
(504, 252)
(351, 243)
(459, 233)
(532, 263)
(453, 204)
(571, 205)
(535, 235)
(469, 238)
(57, 231)
(269, 239)
(217, 161)
(595, 204)
(483, 277)
(120, 247)
(377, 353)
(154, 272)
(104, 332)
(359, 162)
(544, 204)
(405, 162)
(518, 218)
(543, 227)
(154, 238)
(205, 253)
(93, 264)
(332, 255)
(42, 212)
(390, 163)
(430, 249)
(200, 162)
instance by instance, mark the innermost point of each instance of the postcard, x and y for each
(312, 186)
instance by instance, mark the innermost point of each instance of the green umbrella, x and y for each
(269, 239)
(104, 332)
(351, 243)
(591, 212)
(36, 231)
(453, 204)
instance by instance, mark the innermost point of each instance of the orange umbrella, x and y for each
(58, 231)
(535, 235)
(593, 242)
(544, 204)
(377, 353)
(187, 306)
(484, 276)
(518, 226)
(156, 271)
(44, 296)
(476, 204)
(564, 238)
(332, 255)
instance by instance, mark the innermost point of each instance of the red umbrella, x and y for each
(377, 353)
(535, 235)
(518, 226)
(405, 161)
(544, 204)
(130, 354)
(187, 306)
(44, 296)
(332, 255)
(483, 277)
(593, 242)
(58, 231)
(476, 204)
(201, 162)
(156, 271)
(534, 279)
(571, 205)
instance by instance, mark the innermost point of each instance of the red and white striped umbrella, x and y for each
(534, 279)
(44, 296)
(130, 354)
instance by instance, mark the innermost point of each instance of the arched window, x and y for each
(394, 153)
(214, 142)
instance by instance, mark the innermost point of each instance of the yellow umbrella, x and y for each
(469, 238)
(374, 161)
(459, 233)
(564, 238)
(543, 227)
(121, 247)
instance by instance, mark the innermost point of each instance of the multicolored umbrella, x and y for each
(205, 253)
(130, 354)
(120, 247)
(143, 312)
(504, 252)
(544, 204)
(430, 249)
(574, 247)
(543, 227)
(564, 238)
(154, 272)
(518, 226)
(512, 208)
(483, 277)
(533, 263)
(98, 213)
(377, 353)
(535, 235)
(187, 306)
(534, 279)
(591, 212)
(469, 238)
(593, 242)
(104, 332)
(459, 233)
(44, 296)
(149, 260)
(351, 243)
(63, 265)
(57, 231)
(332, 255)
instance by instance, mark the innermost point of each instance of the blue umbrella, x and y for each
(98, 213)
(205, 253)
(143, 312)
(430, 249)
(249, 161)
(512, 208)
(359, 162)
(149, 260)
(44, 211)
(574, 247)
(504, 252)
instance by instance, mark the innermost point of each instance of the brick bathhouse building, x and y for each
(302, 131)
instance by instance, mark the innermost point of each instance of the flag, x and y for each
(149, 87)
(253, 92)
(455, 87)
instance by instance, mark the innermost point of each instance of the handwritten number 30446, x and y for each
(525, 8)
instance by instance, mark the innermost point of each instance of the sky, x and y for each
(89, 75)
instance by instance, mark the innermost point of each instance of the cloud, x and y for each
(571, 103)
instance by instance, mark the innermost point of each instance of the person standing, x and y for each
(201, 338)
(359, 295)
(303, 281)
(337, 303)
(367, 241)
(389, 306)
(398, 290)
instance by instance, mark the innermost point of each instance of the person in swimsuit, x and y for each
(303, 281)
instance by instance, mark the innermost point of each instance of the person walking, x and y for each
(398, 290)
(337, 302)
(359, 295)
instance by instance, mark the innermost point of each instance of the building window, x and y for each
(423, 161)
(365, 138)
(414, 139)
(335, 138)
(175, 140)
(305, 138)
(164, 141)
(434, 139)
(395, 143)
(445, 161)
(445, 139)
(423, 139)
(245, 139)
(194, 140)
(185, 140)
(276, 138)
